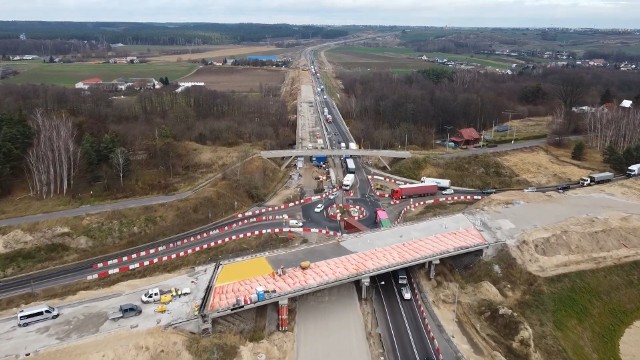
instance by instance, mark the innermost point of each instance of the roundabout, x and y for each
(341, 211)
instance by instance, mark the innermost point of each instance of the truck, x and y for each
(633, 170)
(596, 178)
(329, 119)
(350, 165)
(348, 181)
(442, 183)
(319, 159)
(125, 311)
(154, 295)
(353, 146)
(413, 190)
(343, 146)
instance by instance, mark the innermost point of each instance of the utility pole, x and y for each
(455, 309)
(405, 141)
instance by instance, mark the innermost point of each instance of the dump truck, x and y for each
(125, 311)
(413, 190)
(633, 170)
(596, 178)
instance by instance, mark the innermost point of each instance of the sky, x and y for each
(468, 13)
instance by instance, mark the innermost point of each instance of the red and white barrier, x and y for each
(205, 246)
(185, 241)
(283, 206)
(437, 200)
(391, 180)
(425, 320)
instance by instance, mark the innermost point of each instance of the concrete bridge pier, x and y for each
(431, 266)
(364, 283)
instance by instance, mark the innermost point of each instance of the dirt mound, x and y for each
(484, 291)
(511, 198)
(140, 345)
(539, 168)
(277, 346)
(579, 243)
(511, 332)
(629, 343)
(58, 235)
(628, 189)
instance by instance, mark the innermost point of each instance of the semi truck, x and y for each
(596, 178)
(350, 165)
(633, 170)
(413, 190)
(319, 159)
(353, 146)
(348, 181)
(442, 183)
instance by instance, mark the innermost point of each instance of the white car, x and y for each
(319, 208)
(406, 293)
(447, 192)
(530, 189)
(333, 196)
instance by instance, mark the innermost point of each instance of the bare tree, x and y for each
(120, 161)
(53, 158)
(619, 128)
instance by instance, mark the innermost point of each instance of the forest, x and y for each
(384, 109)
(45, 34)
(53, 135)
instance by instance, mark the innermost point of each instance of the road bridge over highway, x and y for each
(355, 258)
(335, 152)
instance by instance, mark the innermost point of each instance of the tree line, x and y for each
(387, 110)
(163, 34)
(52, 135)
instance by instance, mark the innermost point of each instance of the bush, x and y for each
(578, 151)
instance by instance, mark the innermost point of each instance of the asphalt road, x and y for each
(403, 335)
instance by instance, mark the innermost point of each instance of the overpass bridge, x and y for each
(334, 152)
(353, 258)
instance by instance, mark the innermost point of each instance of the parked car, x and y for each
(563, 187)
(489, 191)
(447, 192)
(406, 292)
(125, 311)
(503, 128)
(530, 189)
(319, 208)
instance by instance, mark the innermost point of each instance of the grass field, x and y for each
(70, 74)
(235, 78)
(374, 50)
(485, 60)
(398, 60)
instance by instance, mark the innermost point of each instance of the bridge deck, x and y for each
(367, 254)
(335, 152)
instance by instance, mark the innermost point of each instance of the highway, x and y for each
(402, 332)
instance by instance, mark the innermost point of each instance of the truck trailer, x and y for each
(442, 183)
(596, 178)
(414, 190)
(348, 181)
(633, 170)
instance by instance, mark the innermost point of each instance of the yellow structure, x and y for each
(242, 270)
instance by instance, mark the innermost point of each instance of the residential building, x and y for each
(466, 137)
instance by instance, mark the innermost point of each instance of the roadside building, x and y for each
(466, 137)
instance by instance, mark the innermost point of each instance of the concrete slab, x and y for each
(87, 318)
(329, 325)
(313, 254)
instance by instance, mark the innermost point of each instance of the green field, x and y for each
(69, 74)
(374, 50)
(477, 59)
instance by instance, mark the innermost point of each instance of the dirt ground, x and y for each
(629, 343)
(219, 53)
(141, 345)
(235, 78)
(279, 345)
(539, 168)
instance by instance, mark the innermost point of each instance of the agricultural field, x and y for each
(220, 53)
(364, 59)
(240, 79)
(70, 74)
(484, 60)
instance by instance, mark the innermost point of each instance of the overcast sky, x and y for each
(499, 13)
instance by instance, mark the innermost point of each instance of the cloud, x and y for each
(526, 13)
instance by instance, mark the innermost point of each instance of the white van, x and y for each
(36, 313)
(402, 277)
(295, 223)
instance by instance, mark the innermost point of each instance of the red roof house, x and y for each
(466, 137)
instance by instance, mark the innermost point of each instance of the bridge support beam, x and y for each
(283, 315)
(364, 284)
(385, 164)
(432, 268)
